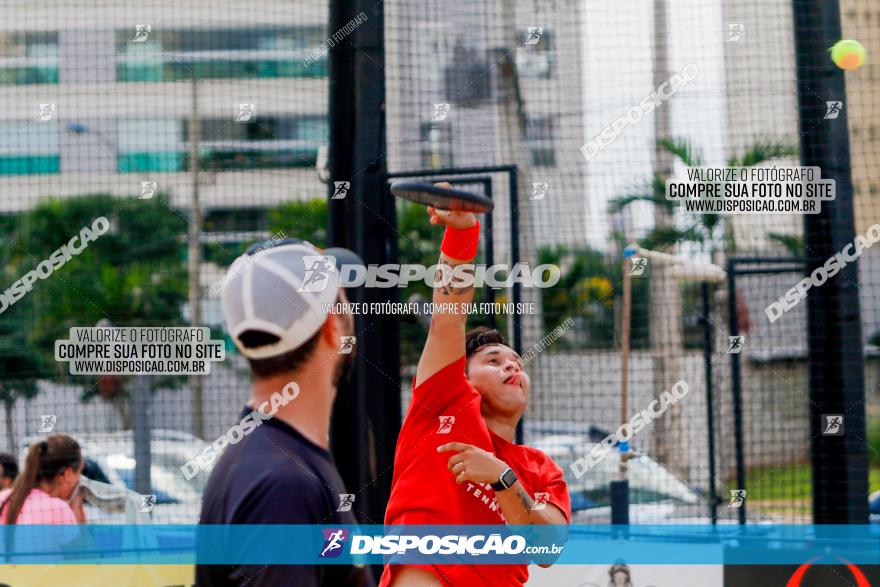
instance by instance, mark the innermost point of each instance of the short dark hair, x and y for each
(480, 337)
(10, 466)
(289, 361)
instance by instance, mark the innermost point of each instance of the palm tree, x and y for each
(792, 243)
(704, 229)
(585, 293)
(135, 273)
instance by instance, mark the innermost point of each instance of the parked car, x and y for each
(657, 495)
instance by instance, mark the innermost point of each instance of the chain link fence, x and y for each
(197, 132)
(597, 112)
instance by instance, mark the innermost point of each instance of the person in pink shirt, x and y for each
(43, 491)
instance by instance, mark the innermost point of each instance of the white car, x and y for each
(657, 496)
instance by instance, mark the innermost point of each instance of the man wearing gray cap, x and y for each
(275, 303)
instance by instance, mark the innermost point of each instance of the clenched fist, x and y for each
(473, 464)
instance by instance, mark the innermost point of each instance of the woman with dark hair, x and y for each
(9, 472)
(42, 493)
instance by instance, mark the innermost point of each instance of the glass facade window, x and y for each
(540, 132)
(262, 143)
(28, 58)
(150, 145)
(272, 142)
(436, 142)
(534, 60)
(234, 219)
(29, 147)
(170, 55)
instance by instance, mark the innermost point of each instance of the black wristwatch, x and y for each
(506, 481)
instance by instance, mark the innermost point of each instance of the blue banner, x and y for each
(440, 544)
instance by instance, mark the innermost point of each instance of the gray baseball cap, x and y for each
(277, 294)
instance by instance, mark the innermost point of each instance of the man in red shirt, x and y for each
(456, 461)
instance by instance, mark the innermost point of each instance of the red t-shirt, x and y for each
(446, 408)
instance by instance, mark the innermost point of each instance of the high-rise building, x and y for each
(507, 81)
(98, 96)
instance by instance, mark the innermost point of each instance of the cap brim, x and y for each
(343, 256)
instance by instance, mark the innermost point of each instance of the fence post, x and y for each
(142, 434)
(366, 416)
(736, 385)
(706, 321)
(836, 369)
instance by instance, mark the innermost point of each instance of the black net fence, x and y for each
(197, 132)
(179, 136)
(597, 112)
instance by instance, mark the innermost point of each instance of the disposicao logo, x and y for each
(333, 541)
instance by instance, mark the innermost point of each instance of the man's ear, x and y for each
(330, 331)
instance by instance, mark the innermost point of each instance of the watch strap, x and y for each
(501, 484)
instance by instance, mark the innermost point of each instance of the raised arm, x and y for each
(446, 339)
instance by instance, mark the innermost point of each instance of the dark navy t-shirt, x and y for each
(275, 475)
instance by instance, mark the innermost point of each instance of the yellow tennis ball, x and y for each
(848, 54)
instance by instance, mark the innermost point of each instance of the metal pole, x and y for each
(142, 453)
(511, 170)
(736, 383)
(662, 115)
(194, 253)
(514, 256)
(341, 125)
(624, 345)
(620, 487)
(366, 416)
(834, 324)
(348, 410)
(710, 411)
(516, 322)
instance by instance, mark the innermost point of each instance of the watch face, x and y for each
(508, 478)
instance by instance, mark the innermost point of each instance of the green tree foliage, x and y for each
(586, 292)
(793, 244)
(134, 275)
(306, 220)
